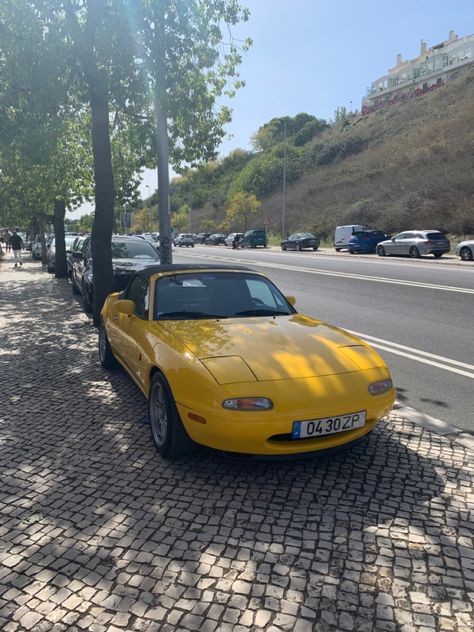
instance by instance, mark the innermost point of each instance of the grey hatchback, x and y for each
(415, 244)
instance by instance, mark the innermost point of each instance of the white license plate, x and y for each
(328, 425)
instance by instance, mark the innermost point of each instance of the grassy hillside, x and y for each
(408, 166)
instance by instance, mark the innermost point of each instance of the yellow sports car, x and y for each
(226, 361)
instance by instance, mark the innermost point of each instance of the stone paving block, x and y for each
(100, 534)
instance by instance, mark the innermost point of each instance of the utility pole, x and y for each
(283, 206)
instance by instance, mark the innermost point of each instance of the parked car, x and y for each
(365, 241)
(51, 251)
(229, 240)
(254, 238)
(201, 238)
(415, 244)
(342, 235)
(215, 239)
(465, 250)
(36, 246)
(129, 254)
(76, 247)
(184, 239)
(226, 361)
(301, 241)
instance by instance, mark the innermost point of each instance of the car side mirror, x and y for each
(291, 300)
(125, 306)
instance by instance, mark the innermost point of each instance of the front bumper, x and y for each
(269, 432)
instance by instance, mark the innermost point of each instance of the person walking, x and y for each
(6, 236)
(16, 243)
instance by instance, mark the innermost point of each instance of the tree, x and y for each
(188, 64)
(242, 206)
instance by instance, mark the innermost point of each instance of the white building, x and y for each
(424, 73)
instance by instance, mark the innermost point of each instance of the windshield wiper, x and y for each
(187, 314)
(261, 311)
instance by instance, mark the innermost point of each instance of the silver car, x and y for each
(415, 243)
(465, 250)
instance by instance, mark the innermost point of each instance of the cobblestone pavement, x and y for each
(98, 533)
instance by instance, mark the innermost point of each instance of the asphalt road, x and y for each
(418, 314)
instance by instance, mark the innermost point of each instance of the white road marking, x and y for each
(344, 275)
(419, 356)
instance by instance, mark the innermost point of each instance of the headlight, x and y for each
(378, 388)
(248, 403)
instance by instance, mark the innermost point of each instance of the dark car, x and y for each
(300, 241)
(215, 239)
(129, 254)
(201, 238)
(365, 240)
(76, 247)
(254, 238)
(51, 251)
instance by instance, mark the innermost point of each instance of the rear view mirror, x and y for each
(125, 306)
(291, 300)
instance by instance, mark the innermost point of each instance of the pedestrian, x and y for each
(6, 236)
(16, 243)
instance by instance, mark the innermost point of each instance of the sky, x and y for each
(316, 55)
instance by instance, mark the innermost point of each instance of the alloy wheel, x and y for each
(159, 414)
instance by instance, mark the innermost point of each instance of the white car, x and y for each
(465, 250)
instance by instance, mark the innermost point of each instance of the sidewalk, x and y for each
(98, 533)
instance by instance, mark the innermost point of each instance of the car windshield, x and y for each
(200, 295)
(133, 250)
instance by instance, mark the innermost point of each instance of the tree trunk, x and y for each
(44, 260)
(60, 265)
(104, 193)
(161, 134)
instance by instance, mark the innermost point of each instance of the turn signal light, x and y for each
(378, 388)
(248, 403)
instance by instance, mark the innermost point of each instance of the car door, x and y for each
(397, 245)
(127, 331)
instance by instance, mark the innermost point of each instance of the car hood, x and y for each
(262, 349)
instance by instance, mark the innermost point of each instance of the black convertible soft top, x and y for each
(182, 267)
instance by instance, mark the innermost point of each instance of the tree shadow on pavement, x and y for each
(95, 524)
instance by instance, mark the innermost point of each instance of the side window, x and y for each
(139, 293)
(262, 295)
(401, 236)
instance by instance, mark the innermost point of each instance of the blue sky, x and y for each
(315, 55)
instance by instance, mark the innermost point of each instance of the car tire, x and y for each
(87, 305)
(315, 248)
(167, 430)
(437, 255)
(381, 251)
(466, 254)
(351, 252)
(298, 247)
(283, 247)
(106, 356)
(337, 249)
(414, 252)
(49, 269)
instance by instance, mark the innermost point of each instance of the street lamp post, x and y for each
(150, 211)
(283, 205)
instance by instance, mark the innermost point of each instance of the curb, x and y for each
(437, 426)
